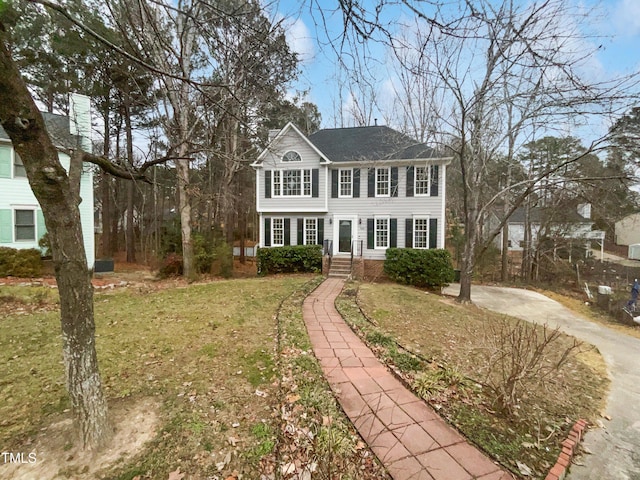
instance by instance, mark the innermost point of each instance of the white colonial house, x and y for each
(21, 221)
(356, 191)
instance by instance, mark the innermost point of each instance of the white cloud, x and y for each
(300, 40)
(626, 17)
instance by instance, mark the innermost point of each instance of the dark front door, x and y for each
(344, 239)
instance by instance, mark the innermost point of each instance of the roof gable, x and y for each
(58, 129)
(289, 126)
(369, 143)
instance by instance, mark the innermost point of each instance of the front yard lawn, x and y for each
(448, 354)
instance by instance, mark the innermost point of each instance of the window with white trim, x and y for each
(381, 233)
(277, 232)
(291, 156)
(421, 181)
(345, 188)
(25, 224)
(383, 182)
(310, 231)
(291, 183)
(18, 166)
(420, 233)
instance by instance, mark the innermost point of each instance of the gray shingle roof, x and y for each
(58, 128)
(369, 143)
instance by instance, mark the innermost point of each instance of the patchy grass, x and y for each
(440, 347)
(315, 439)
(205, 353)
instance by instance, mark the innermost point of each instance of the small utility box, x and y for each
(604, 297)
(634, 251)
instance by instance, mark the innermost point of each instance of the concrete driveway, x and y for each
(616, 448)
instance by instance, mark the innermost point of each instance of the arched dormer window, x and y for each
(291, 156)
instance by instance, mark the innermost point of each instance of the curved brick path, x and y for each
(410, 439)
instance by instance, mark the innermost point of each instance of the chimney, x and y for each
(80, 119)
(375, 121)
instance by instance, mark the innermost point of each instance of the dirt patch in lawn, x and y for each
(54, 453)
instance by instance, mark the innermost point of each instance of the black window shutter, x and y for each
(267, 232)
(320, 240)
(334, 183)
(267, 184)
(287, 231)
(408, 233)
(301, 231)
(393, 232)
(371, 182)
(433, 233)
(315, 178)
(434, 181)
(370, 233)
(356, 182)
(410, 173)
(394, 181)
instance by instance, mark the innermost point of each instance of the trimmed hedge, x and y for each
(290, 259)
(421, 268)
(25, 262)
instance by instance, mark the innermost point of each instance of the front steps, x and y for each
(340, 267)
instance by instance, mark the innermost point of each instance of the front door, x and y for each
(344, 236)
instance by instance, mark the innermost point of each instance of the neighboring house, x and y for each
(354, 190)
(627, 230)
(572, 224)
(21, 220)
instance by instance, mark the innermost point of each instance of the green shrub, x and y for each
(223, 254)
(20, 262)
(293, 259)
(203, 253)
(421, 268)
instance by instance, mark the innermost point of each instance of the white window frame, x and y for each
(380, 183)
(426, 232)
(278, 187)
(342, 183)
(17, 162)
(426, 182)
(386, 219)
(291, 153)
(15, 224)
(307, 230)
(279, 220)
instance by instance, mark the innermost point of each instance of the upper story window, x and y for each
(292, 183)
(383, 182)
(345, 187)
(25, 225)
(291, 156)
(422, 184)
(18, 166)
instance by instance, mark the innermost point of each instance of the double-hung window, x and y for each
(277, 232)
(310, 231)
(381, 234)
(18, 166)
(345, 187)
(420, 233)
(422, 181)
(25, 225)
(383, 182)
(292, 183)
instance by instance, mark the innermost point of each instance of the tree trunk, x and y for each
(59, 202)
(468, 256)
(182, 171)
(105, 184)
(130, 238)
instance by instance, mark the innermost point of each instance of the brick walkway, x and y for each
(411, 441)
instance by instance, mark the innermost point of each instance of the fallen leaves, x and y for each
(176, 475)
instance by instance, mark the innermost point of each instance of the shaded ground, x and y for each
(614, 448)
